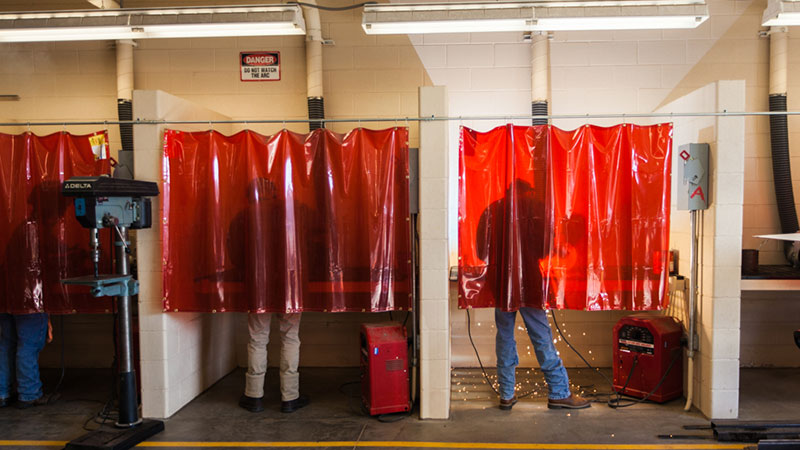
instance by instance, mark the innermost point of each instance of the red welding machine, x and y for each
(648, 357)
(384, 368)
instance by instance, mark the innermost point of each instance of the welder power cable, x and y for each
(483, 370)
(615, 402)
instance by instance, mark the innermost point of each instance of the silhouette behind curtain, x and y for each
(41, 242)
(286, 223)
(564, 219)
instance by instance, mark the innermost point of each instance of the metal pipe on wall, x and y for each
(314, 87)
(693, 261)
(125, 106)
(540, 76)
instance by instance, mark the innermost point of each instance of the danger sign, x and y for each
(260, 66)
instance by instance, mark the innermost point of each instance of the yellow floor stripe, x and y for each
(403, 444)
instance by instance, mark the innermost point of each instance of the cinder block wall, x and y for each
(485, 73)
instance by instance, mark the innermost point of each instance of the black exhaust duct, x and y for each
(539, 109)
(125, 167)
(782, 173)
(316, 110)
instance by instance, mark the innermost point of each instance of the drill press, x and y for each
(120, 205)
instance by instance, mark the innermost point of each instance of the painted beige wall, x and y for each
(76, 81)
(635, 71)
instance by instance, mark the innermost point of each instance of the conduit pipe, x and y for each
(125, 104)
(692, 302)
(779, 137)
(540, 76)
(124, 49)
(316, 102)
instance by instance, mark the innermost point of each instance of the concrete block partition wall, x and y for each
(182, 354)
(484, 74)
(716, 374)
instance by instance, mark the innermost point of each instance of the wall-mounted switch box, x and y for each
(693, 177)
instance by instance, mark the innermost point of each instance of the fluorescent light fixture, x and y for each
(389, 18)
(411, 18)
(781, 13)
(113, 24)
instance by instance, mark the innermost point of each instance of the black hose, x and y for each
(539, 109)
(125, 113)
(782, 173)
(316, 110)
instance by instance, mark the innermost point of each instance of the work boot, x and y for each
(252, 404)
(571, 402)
(506, 405)
(43, 400)
(294, 405)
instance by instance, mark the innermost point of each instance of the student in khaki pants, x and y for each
(259, 326)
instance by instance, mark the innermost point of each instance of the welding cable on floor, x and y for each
(616, 402)
(108, 413)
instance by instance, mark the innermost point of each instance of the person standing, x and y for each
(22, 337)
(258, 326)
(255, 245)
(518, 220)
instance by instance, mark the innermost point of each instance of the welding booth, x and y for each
(323, 223)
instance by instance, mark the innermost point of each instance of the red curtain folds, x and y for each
(286, 223)
(40, 239)
(564, 219)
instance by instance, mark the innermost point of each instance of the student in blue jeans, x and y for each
(541, 336)
(510, 236)
(22, 337)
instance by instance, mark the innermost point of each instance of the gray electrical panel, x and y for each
(693, 175)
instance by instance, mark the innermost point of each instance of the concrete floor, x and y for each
(335, 415)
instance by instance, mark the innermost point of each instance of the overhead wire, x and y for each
(407, 119)
(332, 8)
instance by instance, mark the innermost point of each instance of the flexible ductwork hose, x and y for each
(539, 109)
(316, 110)
(782, 173)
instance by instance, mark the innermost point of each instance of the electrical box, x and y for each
(648, 357)
(693, 174)
(384, 368)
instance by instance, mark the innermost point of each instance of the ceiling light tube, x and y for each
(616, 23)
(446, 26)
(151, 24)
(411, 18)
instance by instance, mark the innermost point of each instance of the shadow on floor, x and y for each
(335, 413)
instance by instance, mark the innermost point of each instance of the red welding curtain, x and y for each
(564, 219)
(40, 238)
(286, 223)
